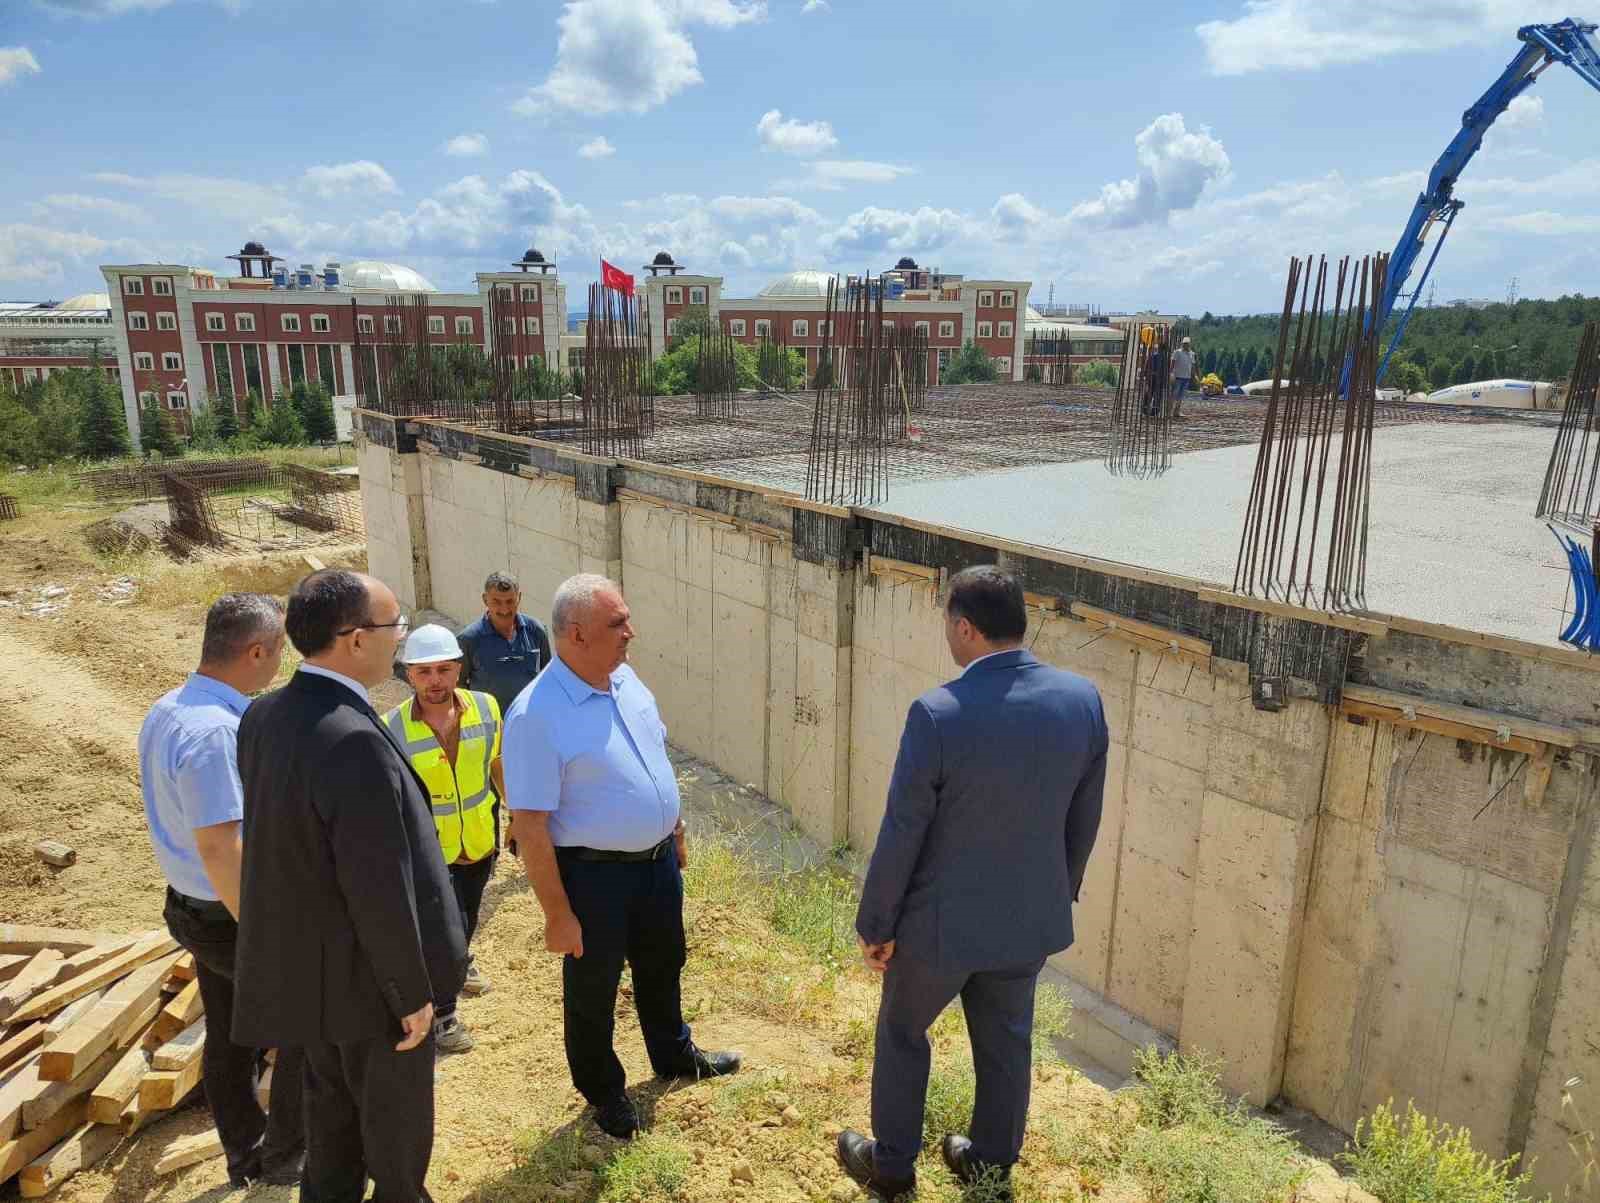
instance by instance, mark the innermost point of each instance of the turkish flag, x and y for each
(616, 279)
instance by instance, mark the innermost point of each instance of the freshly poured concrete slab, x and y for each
(1452, 535)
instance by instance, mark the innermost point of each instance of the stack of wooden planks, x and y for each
(99, 1034)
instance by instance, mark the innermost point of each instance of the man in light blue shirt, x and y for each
(194, 804)
(594, 805)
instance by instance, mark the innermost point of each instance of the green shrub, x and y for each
(652, 1167)
(817, 907)
(1414, 1159)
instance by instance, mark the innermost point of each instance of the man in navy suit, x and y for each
(992, 813)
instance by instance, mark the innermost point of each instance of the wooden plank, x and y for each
(888, 566)
(21, 937)
(1538, 779)
(162, 1090)
(107, 1100)
(156, 944)
(53, 1096)
(183, 1048)
(182, 1011)
(34, 978)
(1438, 726)
(11, 964)
(84, 1148)
(28, 1146)
(1490, 721)
(69, 1015)
(20, 1086)
(1375, 627)
(99, 1029)
(54, 852)
(1122, 624)
(189, 1150)
(98, 955)
(21, 1042)
(183, 969)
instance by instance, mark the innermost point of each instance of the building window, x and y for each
(177, 400)
(824, 328)
(530, 325)
(166, 321)
(697, 296)
(985, 329)
(138, 320)
(888, 323)
(508, 325)
(674, 296)
(1005, 330)
(1008, 300)
(222, 365)
(436, 325)
(575, 359)
(986, 300)
(297, 364)
(320, 323)
(672, 326)
(391, 323)
(736, 327)
(530, 292)
(144, 361)
(944, 357)
(246, 322)
(252, 366)
(133, 286)
(921, 328)
(171, 361)
(533, 361)
(325, 367)
(506, 291)
(800, 328)
(161, 286)
(463, 325)
(364, 324)
(145, 399)
(290, 323)
(215, 321)
(763, 328)
(1004, 364)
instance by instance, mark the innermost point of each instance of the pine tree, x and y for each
(251, 418)
(317, 416)
(283, 427)
(156, 436)
(227, 419)
(103, 428)
(300, 398)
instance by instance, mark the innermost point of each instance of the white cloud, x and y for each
(464, 146)
(879, 232)
(1013, 211)
(35, 254)
(1309, 34)
(814, 6)
(1542, 222)
(15, 62)
(1175, 166)
(336, 179)
(780, 209)
(793, 137)
(235, 200)
(1525, 112)
(116, 8)
(628, 55)
(596, 148)
(74, 202)
(830, 175)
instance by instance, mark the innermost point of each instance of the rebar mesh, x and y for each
(1568, 494)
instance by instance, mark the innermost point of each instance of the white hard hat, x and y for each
(429, 644)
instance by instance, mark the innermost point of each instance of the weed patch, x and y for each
(1414, 1159)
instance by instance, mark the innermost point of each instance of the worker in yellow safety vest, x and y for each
(452, 737)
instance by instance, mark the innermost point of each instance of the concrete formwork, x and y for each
(1344, 908)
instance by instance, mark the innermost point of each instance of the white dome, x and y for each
(383, 277)
(805, 283)
(87, 300)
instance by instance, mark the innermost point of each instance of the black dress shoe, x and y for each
(855, 1155)
(708, 1065)
(618, 1118)
(958, 1156)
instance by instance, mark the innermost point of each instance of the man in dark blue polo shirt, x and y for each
(505, 649)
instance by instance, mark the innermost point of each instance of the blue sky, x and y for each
(1173, 159)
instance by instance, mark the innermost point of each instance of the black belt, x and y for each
(577, 852)
(208, 909)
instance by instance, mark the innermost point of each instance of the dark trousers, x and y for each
(629, 911)
(469, 881)
(255, 1143)
(999, 1011)
(369, 1112)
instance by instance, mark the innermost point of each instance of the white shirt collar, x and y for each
(985, 656)
(354, 686)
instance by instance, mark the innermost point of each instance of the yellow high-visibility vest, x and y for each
(462, 795)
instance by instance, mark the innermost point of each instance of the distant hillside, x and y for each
(1531, 339)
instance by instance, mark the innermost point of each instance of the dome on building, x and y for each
(386, 277)
(807, 282)
(253, 248)
(532, 255)
(662, 259)
(87, 300)
(907, 263)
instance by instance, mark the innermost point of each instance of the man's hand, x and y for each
(680, 842)
(876, 955)
(417, 1026)
(563, 934)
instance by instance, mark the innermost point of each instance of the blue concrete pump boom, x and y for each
(1566, 42)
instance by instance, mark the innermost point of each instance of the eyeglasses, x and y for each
(401, 625)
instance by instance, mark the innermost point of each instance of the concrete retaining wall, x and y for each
(1345, 909)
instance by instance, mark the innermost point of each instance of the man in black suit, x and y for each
(349, 926)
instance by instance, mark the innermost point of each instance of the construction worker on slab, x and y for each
(452, 737)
